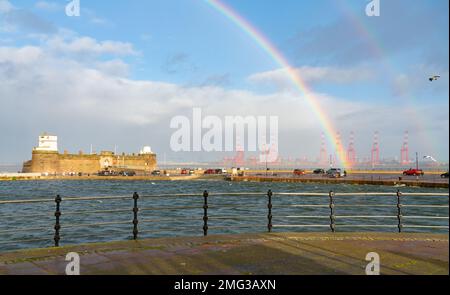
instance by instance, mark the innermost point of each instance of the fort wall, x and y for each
(52, 162)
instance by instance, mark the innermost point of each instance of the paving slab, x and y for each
(248, 254)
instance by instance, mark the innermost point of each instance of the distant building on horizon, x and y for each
(47, 159)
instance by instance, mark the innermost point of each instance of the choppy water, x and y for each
(23, 225)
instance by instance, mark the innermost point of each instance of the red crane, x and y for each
(351, 151)
(404, 151)
(323, 158)
(375, 155)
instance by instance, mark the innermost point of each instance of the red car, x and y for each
(413, 172)
(299, 172)
(210, 171)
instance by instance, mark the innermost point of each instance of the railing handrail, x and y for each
(332, 203)
(237, 194)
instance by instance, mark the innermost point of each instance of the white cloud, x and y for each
(48, 6)
(93, 18)
(79, 89)
(115, 67)
(88, 46)
(46, 88)
(20, 56)
(281, 79)
(17, 19)
(5, 6)
(99, 21)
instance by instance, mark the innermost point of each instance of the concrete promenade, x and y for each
(351, 179)
(258, 254)
(389, 178)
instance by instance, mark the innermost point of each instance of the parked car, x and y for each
(104, 173)
(107, 173)
(319, 171)
(210, 171)
(299, 172)
(186, 171)
(127, 173)
(413, 172)
(156, 172)
(444, 175)
(336, 173)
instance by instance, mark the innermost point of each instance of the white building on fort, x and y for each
(47, 143)
(146, 150)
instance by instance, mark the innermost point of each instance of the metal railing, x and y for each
(270, 206)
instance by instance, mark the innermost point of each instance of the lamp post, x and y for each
(266, 152)
(417, 166)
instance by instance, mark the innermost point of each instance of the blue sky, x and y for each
(369, 73)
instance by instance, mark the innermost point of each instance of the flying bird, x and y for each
(430, 158)
(434, 78)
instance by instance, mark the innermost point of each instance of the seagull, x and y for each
(430, 158)
(434, 78)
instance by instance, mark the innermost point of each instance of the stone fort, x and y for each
(47, 159)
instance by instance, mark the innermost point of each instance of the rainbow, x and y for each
(282, 61)
(377, 50)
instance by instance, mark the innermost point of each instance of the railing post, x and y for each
(205, 213)
(269, 206)
(332, 216)
(135, 216)
(57, 227)
(399, 211)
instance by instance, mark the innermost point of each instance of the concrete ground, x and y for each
(374, 176)
(258, 254)
(432, 181)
